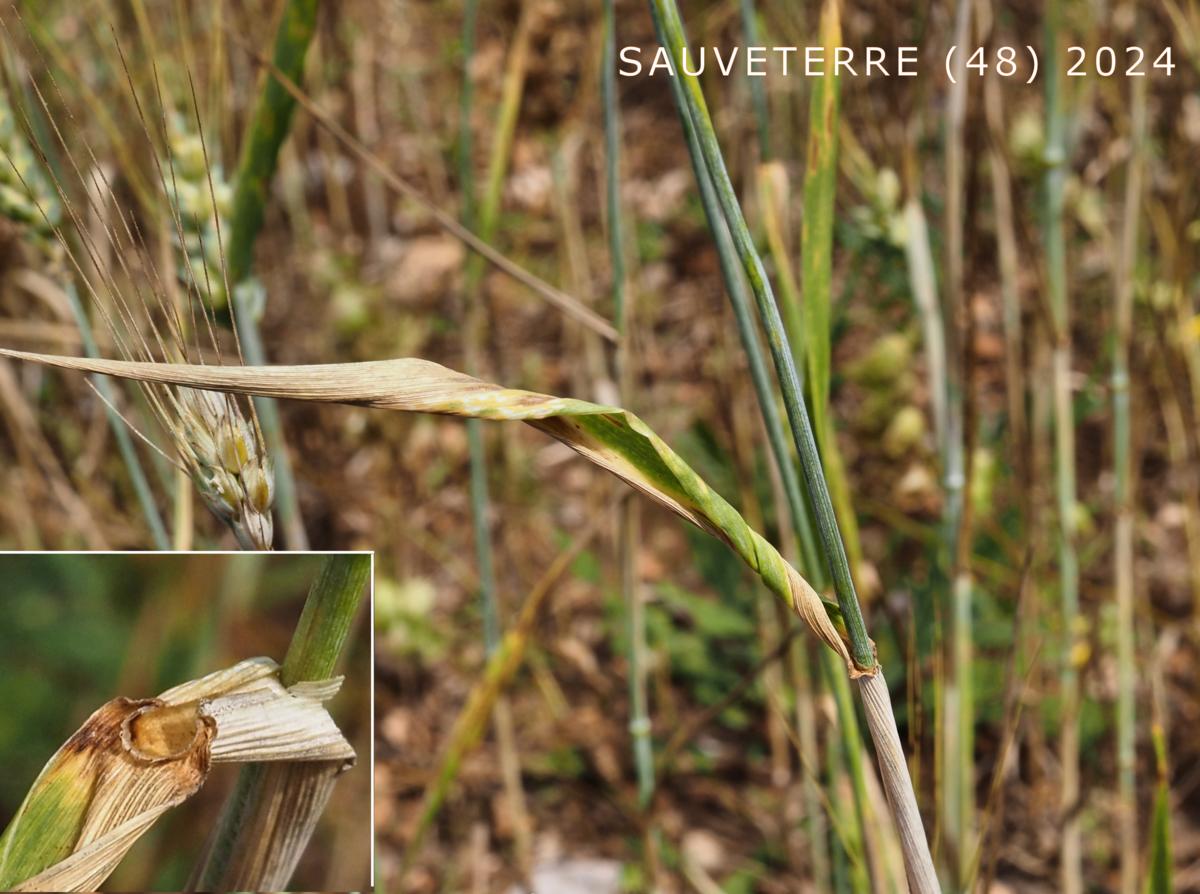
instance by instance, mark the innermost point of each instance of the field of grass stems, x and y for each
(777, 483)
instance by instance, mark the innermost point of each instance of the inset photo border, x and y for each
(186, 721)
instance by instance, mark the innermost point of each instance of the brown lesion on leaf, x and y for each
(188, 769)
(145, 731)
(102, 730)
(160, 732)
(526, 398)
(564, 428)
(472, 385)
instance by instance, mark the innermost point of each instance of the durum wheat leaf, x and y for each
(608, 436)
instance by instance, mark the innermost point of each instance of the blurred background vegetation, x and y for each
(87, 628)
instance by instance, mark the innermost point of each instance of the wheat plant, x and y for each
(496, 195)
(612, 438)
(29, 200)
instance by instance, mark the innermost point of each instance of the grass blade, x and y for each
(816, 281)
(260, 154)
(1158, 880)
(268, 129)
(816, 240)
(608, 436)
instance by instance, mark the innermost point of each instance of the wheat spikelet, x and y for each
(215, 439)
(203, 199)
(27, 197)
(228, 463)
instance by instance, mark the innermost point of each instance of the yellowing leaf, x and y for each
(613, 438)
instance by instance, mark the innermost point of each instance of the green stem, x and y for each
(639, 716)
(483, 535)
(473, 336)
(260, 155)
(639, 719)
(669, 27)
(758, 89)
(320, 636)
(137, 475)
(1064, 430)
(958, 712)
(268, 129)
(326, 619)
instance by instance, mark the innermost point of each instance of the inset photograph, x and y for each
(186, 722)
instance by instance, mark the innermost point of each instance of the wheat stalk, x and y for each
(274, 807)
(1054, 178)
(1124, 500)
